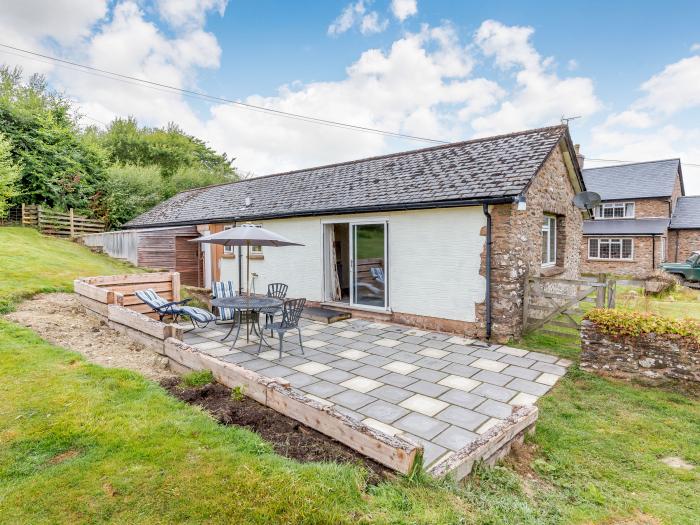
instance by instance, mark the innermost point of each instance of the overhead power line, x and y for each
(168, 88)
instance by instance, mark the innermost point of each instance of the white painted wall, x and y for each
(433, 261)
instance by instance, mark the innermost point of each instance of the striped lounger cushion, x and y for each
(224, 289)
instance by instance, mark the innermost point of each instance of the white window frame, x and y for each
(547, 223)
(599, 211)
(610, 241)
(663, 249)
(256, 250)
(229, 250)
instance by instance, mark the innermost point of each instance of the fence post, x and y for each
(600, 291)
(612, 287)
(38, 217)
(22, 219)
(72, 227)
(175, 277)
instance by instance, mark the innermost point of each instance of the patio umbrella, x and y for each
(247, 235)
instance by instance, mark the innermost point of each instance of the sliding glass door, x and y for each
(369, 270)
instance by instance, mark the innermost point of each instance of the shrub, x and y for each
(197, 378)
(622, 322)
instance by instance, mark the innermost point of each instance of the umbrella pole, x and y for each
(247, 267)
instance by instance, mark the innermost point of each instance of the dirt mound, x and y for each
(60, 319)
(288, 437)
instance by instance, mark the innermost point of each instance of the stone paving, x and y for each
(435, 389)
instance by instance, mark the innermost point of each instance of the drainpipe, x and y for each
(653, 253)
(488, 270)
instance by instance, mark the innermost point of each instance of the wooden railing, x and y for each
(51, 222)
(546, 298)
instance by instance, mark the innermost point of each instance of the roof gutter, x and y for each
(456, 203)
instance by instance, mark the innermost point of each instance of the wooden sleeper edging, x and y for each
(391, 451)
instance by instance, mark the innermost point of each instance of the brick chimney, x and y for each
(579, 156)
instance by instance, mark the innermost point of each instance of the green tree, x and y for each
(9, 176)
(58, 167)
(170, 149)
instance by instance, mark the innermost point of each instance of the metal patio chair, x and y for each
(199, 317)
(291, 313)
(278, 291)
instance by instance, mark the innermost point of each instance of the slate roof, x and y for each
(487, 168)
(634, 181)
(625, 227)
(686, 215)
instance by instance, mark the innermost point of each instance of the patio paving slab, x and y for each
(454, 438)
(440, 390)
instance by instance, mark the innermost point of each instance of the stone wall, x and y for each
(682, 243)
(640, 267)
(652, 356)
(517, 238)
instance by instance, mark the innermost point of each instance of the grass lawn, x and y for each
(80, 443)
(32, 263)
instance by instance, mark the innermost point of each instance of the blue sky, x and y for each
(445, 69)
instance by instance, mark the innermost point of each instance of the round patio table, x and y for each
(244, 303)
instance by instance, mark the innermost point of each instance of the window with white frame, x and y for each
(549, 240)
(256, 250)
(229, 250)
(611, 249)
(614, 210)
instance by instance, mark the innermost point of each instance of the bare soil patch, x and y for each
(60, 319)
(288, 437)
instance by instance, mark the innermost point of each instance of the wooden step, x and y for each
(324, 315)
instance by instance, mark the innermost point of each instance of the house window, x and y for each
(256, 250)
(549, 241)
(663, 249)
(611, 249)
(614, 210)
(229, 250)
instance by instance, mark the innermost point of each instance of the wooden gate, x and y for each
(188, 261)
(545, 299)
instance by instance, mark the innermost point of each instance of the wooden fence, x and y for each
(547, 298)
(51, 222)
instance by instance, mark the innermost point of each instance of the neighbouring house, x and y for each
(405, 237)
(630, 232)
(684, 231)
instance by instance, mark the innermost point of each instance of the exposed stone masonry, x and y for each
(652, 356)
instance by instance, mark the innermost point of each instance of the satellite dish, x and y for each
(586, 200)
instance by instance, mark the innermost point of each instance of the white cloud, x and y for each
(371, 24)
(357, 14)
(402, 9)
(423, 84)
(673, 89)
(189, 13)
(540, 96)
(572, 65)
(695, 47)
(646, 131)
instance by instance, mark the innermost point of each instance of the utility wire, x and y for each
(165, 88)
(162, 87)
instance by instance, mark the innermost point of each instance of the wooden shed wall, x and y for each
(158, 249)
